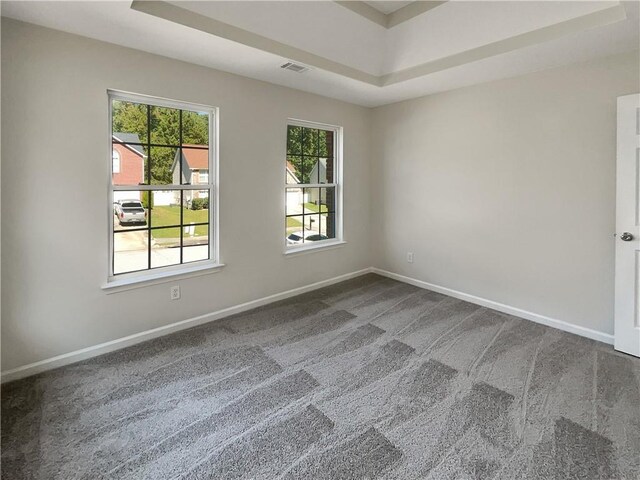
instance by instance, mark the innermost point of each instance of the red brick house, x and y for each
(128, 163)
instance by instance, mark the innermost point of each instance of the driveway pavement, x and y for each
(130, 250)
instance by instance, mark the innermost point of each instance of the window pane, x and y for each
(195, 234)
(311, 228)
(195, 206)
(294, 140)
(328, 199)
(294, 169)
(194, 252)
(165, 126)
(165, 207)
(165, 247)
(325, 145)
(294, 201)
(196, 218)
(130, 161)
(130, 252)
(328, 225)
(196, 242)
(315, 164)
(309, 172)
(129, 211)
(310, 141)
(164, 165)
(315, 200)
(129, 121)
(326, 171)
(307, 217)
(294, 230)
(194, 161)
(318, 172)
(195, 128)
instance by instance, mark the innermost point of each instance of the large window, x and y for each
(312, 185)
(162, 197)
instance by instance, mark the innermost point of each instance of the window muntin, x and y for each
(311, 184)
(161, 140)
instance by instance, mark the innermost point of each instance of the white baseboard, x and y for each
(518, 312)
(94, 351)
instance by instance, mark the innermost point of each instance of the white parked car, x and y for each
(130, 212)
(297, 237)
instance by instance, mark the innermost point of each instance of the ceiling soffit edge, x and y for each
(389, 20)
(173, 13)
(613, 14)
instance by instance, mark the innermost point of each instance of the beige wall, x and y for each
(506, 190)
(54, 191)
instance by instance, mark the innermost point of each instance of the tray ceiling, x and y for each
(387, 7)
(445, 45)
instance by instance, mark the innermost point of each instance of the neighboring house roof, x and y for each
(291, 170)
(192, 159)
(319, 171)
(196, 158)
(129, 139)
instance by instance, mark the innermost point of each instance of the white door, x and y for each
(627, 299)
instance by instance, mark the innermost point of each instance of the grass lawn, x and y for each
(292, 222)
(293, 225)
(314, 208)
(170, 215)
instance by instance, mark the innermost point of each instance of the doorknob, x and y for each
(626, 237)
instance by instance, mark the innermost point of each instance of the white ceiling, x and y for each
(458, 43)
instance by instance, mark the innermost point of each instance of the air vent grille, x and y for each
(294, 67)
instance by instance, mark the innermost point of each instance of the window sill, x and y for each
(313, 248)
(148, 279)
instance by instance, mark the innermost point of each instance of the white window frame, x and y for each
(125, 281)
(337, 184)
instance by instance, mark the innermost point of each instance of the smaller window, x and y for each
(312, 185)
(116, 161)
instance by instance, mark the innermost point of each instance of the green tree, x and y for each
(130, 118)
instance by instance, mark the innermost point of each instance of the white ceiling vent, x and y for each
(294, 67)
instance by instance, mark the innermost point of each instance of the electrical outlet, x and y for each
(175, 292)
(410, 257)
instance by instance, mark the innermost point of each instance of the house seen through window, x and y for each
(160, 184)
(311, 185)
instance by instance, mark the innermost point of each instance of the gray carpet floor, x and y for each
(369, 378)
